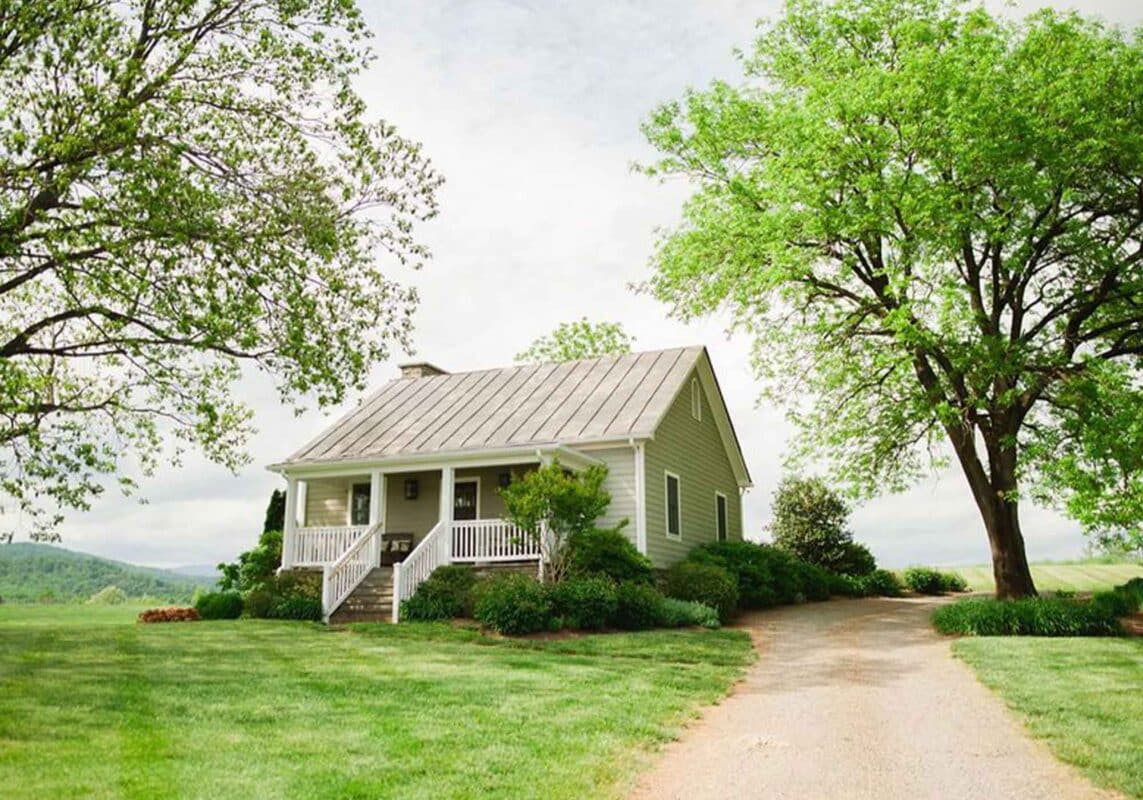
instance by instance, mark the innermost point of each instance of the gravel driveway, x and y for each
(858, 699)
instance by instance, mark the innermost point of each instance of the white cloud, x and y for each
(532, 110)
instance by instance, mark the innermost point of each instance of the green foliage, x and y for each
(513, 604)
(219, 605)
(881, 583)
(815, 581)
(845, 585)
(566, 504)
(810, 522)
(31, 573)
(703, 583)
(584, 603)
(1122, 601)
(445, 594)
(925, 580)
(750, 564)
(1030, 616)
(606, 551)
(296, 607)
(187, 188)
(638, 606)
(275, 512)
(572, 341)
(675, 613)
(256, 567)
(108, 596)
(921, 214)
(295, 594)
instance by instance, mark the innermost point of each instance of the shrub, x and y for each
(815, 581)
(925, 580)
(108, 596)
(584, 603)
(674, 613)
(846, 585)
(297, 607)
(513, 604)
(1031, 616)
(1122, 601)
(853, 558)
(171, 614)
(810, 522)
(258, 603)
(704, 583)
(219, 605)
(638, 606)
(749, 563)
(606, 551)
(445, 594)
(881, 583)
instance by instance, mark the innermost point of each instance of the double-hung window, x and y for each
(674, 507)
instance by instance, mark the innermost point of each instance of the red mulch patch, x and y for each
(1133, 625)
(172, 614)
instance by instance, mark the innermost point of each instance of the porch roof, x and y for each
(536, 405)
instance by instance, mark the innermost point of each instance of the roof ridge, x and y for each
(655, 351)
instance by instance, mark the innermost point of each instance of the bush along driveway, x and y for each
(859, 699)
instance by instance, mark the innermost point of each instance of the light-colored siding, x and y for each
(327, 500)
(620, 484)
(693, 450)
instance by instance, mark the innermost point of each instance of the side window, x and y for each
(720, 515)
(674, 510)
(696, 399)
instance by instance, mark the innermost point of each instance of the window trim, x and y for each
(667, 475)
(721, 535)
(696, 400)
(467, 479)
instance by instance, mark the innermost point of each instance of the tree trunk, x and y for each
(1009, 561)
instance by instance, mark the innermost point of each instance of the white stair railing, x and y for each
(432, 552)
(340, 578)
(318, 546)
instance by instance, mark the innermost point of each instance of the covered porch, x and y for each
(412, 517)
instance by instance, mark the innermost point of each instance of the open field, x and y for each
(95, 706)
(1082, 696)
(1075, 577)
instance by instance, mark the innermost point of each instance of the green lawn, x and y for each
(93, 705)
(1077, 577)
(1084, 697)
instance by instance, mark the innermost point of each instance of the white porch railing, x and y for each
(340, 578)
(492, 540)
(432, 552)
(317, 547)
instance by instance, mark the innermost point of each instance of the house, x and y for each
(408, 480)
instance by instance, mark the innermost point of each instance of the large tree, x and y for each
(571, 341)
(928, 219)
(186, 186)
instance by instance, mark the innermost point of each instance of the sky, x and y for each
(531, 110)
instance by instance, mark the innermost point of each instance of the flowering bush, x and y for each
(172, 614)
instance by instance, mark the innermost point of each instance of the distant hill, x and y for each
(206, 571)
(32, 572)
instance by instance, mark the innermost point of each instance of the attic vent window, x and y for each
(696, 399)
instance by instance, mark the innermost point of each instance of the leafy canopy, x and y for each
(811, 521)
(928, 219)
(571, 341)
(187, 186)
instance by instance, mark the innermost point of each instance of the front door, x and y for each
(359, 504)
(466, 499)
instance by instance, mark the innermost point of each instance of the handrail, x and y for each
(321, 545)
(432, 552)
(489, 540)
(339, 579)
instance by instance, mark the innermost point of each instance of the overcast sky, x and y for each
(532, 111)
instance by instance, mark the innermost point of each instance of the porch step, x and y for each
(371, 601)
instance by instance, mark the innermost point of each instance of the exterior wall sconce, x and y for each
(412, 489)
(504, 478)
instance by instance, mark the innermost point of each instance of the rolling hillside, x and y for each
(36, 572)
(1081, 576)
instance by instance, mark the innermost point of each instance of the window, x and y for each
(674, 510)
(696, 399)
(359, 504)
(720, 515)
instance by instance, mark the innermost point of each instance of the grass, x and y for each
(1082, 696)
(95, 706)
(1086, 576)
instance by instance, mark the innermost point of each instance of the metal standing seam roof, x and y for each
(568, 403)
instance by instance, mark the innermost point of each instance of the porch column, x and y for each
(377, 511)
(291, 519)
(448, 482)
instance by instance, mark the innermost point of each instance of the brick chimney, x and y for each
(420, 369)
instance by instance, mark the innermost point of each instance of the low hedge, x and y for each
(638, 606)
(219, 605)
(513, 604)
(925, 580)
(607, 552)
(881, 583)
(445, 594)
(1032, 616)
(291, 595)
(675, 613)
(1122, 601)
(703, 583)
(583, 603)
